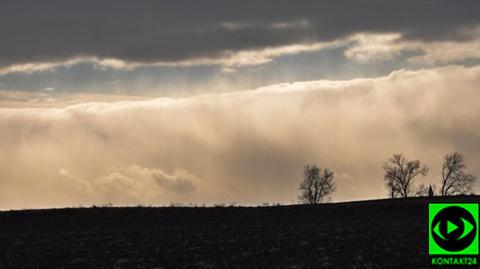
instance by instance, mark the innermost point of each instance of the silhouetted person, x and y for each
(430, 191)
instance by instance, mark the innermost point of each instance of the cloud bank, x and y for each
(247, 146)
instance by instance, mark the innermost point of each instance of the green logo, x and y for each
(453, 229)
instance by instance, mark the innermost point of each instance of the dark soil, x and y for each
(368, 234)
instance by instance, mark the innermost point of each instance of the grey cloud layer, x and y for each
(161, 31)
(247, 147)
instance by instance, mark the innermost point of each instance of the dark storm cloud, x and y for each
(161, 31)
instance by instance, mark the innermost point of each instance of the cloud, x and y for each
(133, 184)
(51, 98)
(247, 146)
(371, 47)
(123, 33)
(361, 47)
(39, 67)
(228, 59)
(379, 47)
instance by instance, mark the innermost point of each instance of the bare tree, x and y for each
(400, 175)
(317, 184)
(454, 178)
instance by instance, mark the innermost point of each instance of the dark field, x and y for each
(369, 234)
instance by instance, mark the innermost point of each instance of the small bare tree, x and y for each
(317, 184)
(400, 175)
(454, 178)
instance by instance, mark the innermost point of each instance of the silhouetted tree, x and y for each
(400, 175)
(454, 178)
(317, 184)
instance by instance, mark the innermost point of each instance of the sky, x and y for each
(207, 102)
